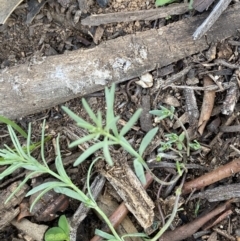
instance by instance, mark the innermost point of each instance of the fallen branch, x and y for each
(151, 14)
(27, 89)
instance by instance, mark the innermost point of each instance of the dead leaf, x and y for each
(207, 106)
(7, 7)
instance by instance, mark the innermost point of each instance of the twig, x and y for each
(212, 177)
(187, 230)
(211, 19)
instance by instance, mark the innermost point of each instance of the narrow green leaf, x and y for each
(127, 146)
(88, 152)
(82, 140)
(89, 111)
(142, 235)
(72, 194)
(10, 170)
(105, 235)
(39, 196)
(16, 143)
(156, 112)
(131, 122)
(13, 125)
(21, 185)
(139, 171)
(74, 116)
(59, 164)
(147, 139)
(29, 139)
(107, 153)
(109, 95)
(112, 124)
(55, 234)
(99, 119)
(64, 225)
(42, 186)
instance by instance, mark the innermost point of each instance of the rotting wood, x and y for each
(151, 14)
(28, 89)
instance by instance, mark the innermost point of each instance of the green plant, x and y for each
(60, 233)
(20, 157)
(111, 136)
(173, 138)
(164, 2)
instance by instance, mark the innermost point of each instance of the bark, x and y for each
(27, 89)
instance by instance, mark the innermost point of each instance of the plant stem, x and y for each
(186, 133)
(173, 214)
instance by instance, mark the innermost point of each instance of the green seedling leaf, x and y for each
(195, 145)
(141, 235)
(147, 139)
(64, 225)
(99, 119)
(56, 234)
(128, 147)
(109, 95)
(181, 137)
(75, 117)
(82, 140)
(59, 164)
(138, 167)
(13, 125)
(89, 111)
(88, 152)
(72, 194)
(48, 185)
(131, 122)
(104, 235)
(10, 170)
(16, 143)
(179, 146)
(107, 153)
(163, 2)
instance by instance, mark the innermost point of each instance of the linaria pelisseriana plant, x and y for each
(112, 136)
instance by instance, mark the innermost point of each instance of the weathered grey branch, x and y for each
(151, 14)
(28, 89)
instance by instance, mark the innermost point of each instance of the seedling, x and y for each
(60, 233)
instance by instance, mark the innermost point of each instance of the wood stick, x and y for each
(27, 89)
(211, 19)
(212, 177)
(151, 14)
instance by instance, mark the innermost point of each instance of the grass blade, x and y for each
(147, 139)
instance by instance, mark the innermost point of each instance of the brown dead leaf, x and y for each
(207, 105)
(7, 7)
(24, 211)
(201, 5)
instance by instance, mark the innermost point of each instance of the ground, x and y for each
(207, 116)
